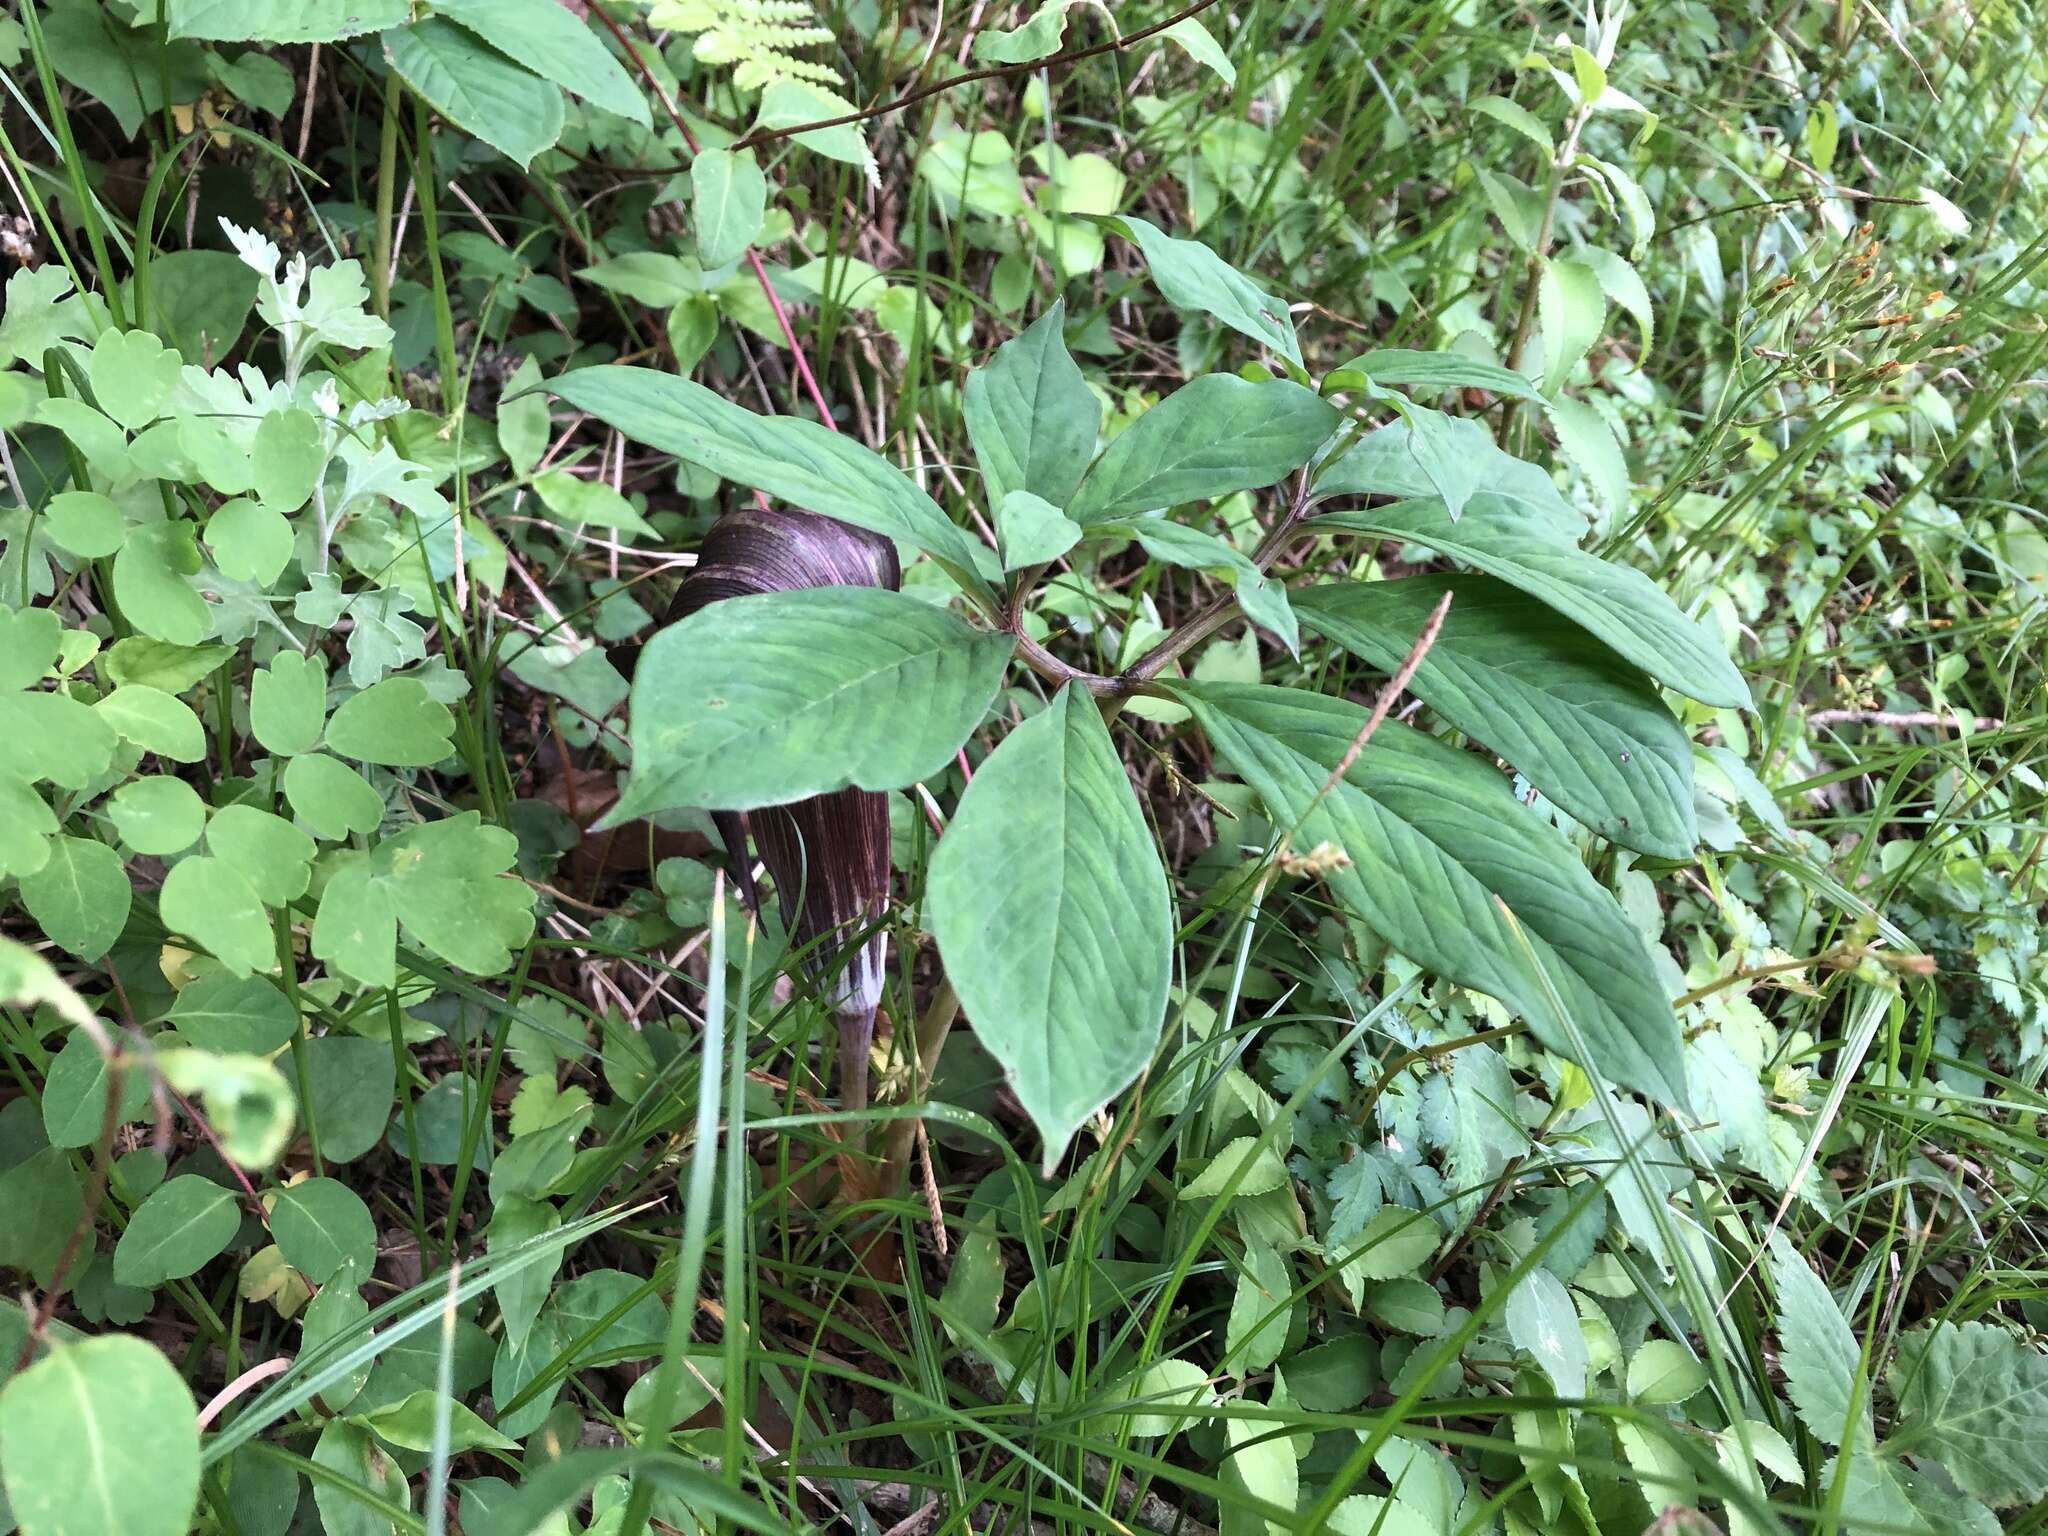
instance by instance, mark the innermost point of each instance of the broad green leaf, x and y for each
(1580, 723)
(1031, 416)
(1192, 276)
(75, 1092)
(1513, 115)
(776, 696)
(1440, 370)
(80, 897)
(86, 523)
(322, 1226)
(150, 571)
(549, 40)
(1214, 435)
(283, 21)
(1262, 597)
(654, 278)
(1037, 38)
(1454, 872)
(801, 462)
(210, 900)
(788, 103)
(133, 375)
(173, 668)
(200, 299)
(728, 201)
(249, 541)
(1053, 917)
(252, 1108)
(1033, 531)
(184, 1225)
(351, 1082)
(1367, 1514)
(1819, 1353)
(1244, 1166)
(1195, 40)
(1588, 440)
(1408, 1305)
(411, 1424)
(445, 881)
(349, 1453)
(1617, 603)
(521, 1294)
(243, 1014)
(1256, 1330)
(1622, 284)
(288, 703)
(476, 88)
(577, 502)
(523, 423)
(330, 797)
(395, 723)
(154, 721)
(272, 854)
(1663, 1371)
(288, 456)
(1975, 1398)
(1172, 1392)
(26, 825)
(1542, 1320)
(100, 1436)
(1572, 310)
(43, 1204)
(29, 642)
(53, 736)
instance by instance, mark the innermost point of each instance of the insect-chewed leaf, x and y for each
(1052, 915)
(769, 698)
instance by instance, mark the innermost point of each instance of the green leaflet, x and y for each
(1214, 435)
(1192, 276)
(728, 200)
(775, 696)
(1031, 416)
(1053, 917)
(1583, 725)
(799, 461)
(1437, 846)
(283, 21)
(1976, 1399)
(182, 1226)
(1820, 1354)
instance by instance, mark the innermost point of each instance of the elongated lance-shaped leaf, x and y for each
(1437, 845)
(1053, 917)
(792, 459)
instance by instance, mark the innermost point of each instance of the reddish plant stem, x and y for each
(796, 351)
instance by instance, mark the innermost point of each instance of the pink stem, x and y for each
(239, 1385)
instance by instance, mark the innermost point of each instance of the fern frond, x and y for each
(760, 38)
